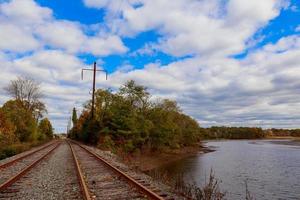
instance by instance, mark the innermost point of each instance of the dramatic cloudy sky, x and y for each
(227, 62)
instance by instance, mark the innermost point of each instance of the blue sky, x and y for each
(231, 63)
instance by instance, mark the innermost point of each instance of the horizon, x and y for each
(226, 63)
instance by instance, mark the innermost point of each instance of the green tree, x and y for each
(74, 117)
(45, 128)
(128, 119)
(137, 95)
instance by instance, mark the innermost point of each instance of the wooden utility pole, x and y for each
(95, 70)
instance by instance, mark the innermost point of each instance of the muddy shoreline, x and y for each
(149, 161)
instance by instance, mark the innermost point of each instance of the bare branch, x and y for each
(28, 91)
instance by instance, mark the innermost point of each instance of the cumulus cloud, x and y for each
(25, 12)
(33, 26)
(12, 36)
(208, 27)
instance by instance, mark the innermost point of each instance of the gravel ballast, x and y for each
(53, 178)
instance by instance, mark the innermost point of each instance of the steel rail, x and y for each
(130, 180)
(20, 174)
(9, 163)
(83, 186)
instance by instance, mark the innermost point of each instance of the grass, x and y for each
(13, 149)
(210, 191)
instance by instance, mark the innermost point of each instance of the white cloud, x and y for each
(76, 41)
(104, 46)
(49, 66)
(189, 27)
(62, 34)
(33, 26)
(12, 36)
(25, 12)
(96, 3)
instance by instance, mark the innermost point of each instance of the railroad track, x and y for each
(101, 180)
(15, 169)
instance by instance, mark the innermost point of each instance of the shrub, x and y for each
(108, 142)
(129, 147)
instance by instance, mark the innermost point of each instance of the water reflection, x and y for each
(271, 168)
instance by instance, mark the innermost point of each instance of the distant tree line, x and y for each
(283, 132)
(21, 118)
(223, 132)
(129, 120)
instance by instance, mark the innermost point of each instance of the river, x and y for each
(270, 167)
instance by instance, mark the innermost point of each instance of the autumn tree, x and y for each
(7, 129)
(22, 119)
(45, 128)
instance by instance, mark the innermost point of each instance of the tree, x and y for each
(7, 129)
(137, 95)
(74, 117)
(27, 91)
(45, 128)
(129, 120)
(21, 118)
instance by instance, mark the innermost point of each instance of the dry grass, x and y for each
(210, 191)
(248, 194)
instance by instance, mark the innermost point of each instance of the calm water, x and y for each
(271, 168)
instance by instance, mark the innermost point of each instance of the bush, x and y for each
(108, 142)
(17, 148)
(13, 149)
(10, 151)
(129, 147)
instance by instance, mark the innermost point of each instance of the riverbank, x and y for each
(282, 137)
(151, 160)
